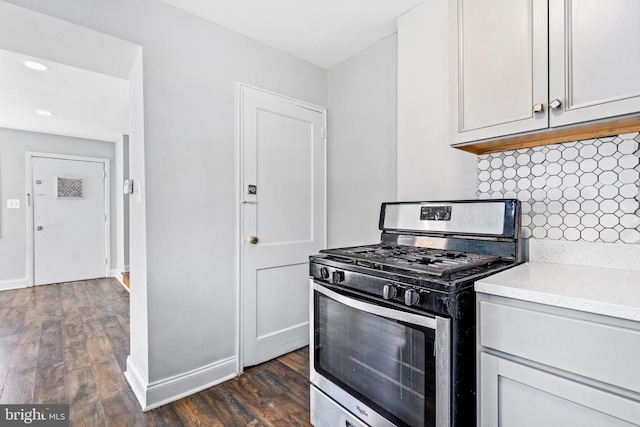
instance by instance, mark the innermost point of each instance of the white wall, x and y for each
(138, 302)
(13, 222)
(428, 169)
(362, 143)
(186, 282)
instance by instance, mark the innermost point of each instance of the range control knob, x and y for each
(324, 273)
(337, 277)
(389, 291)
(411, 297)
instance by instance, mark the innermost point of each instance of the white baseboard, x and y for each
(6, 285)
(136, 381)
(159, 393)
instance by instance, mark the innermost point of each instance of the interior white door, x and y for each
(69, 219)
(283, 219)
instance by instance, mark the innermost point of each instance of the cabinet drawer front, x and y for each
(518, 395)
(601, 352)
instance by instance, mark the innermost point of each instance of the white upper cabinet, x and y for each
(594, 59)
(524, 65)
(500, 67)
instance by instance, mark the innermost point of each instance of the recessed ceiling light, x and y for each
(44, 113)
(35, 65)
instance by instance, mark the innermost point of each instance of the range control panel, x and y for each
(435, 213)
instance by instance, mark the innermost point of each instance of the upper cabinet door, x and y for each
(594, 59)
(499, 68)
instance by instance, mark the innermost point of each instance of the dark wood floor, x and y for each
(68, 342)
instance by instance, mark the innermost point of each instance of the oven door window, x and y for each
(387, 364)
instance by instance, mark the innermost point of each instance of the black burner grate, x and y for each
(437, 262)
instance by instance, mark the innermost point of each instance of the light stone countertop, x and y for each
(610, 292)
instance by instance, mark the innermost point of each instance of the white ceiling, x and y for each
(86, 87)
(323, 32)
(85, 104)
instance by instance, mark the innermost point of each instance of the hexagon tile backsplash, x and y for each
(584, 190)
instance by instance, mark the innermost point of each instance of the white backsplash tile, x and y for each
(585, 191)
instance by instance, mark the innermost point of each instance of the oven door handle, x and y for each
(402, 316)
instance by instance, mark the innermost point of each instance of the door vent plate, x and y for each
(70, 188)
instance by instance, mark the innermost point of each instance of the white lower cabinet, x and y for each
(546, 366)
(516, 395)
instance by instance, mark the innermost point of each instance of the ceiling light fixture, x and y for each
(44, 113)
(35, 65)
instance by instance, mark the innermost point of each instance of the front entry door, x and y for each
(283, 219)
(69, 220)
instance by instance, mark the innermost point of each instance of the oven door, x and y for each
(384, 365)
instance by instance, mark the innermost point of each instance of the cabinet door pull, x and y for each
(555, 104)
(538, 108)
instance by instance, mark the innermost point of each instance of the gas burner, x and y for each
(426, 261)
(451, 255)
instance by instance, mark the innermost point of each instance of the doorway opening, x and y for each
(92, 91)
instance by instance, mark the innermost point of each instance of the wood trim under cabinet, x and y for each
(555, 136)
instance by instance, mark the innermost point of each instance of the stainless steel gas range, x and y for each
(393, 323)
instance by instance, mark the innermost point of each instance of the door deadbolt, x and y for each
(253, 240)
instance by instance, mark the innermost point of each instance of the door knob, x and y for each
(39, 228)
(253, 240)
(555, 104)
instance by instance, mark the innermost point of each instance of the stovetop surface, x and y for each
(416, 259)
(441, 277)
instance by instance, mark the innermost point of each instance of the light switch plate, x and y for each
(13, 203)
